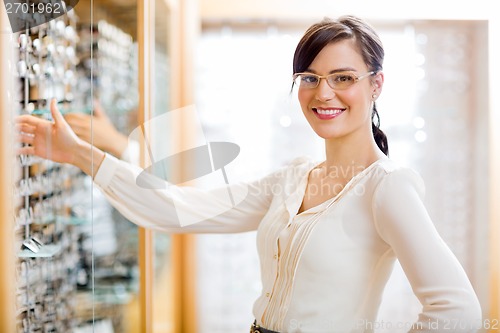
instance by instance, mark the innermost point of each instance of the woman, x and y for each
(327, 233)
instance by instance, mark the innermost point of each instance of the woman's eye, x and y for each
(309, 79)
(344, 78)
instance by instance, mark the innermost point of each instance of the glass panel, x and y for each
(162, 138)
(108, 74)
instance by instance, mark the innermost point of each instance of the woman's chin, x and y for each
(327, 135)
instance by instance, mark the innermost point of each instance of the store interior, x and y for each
(199, 71)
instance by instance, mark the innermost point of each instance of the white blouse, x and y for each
(323, 270)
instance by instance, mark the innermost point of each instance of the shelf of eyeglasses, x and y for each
(29, 299)
(97, 72)
(41, 90)
(50, 183)
(42, 213)
(33, 320)
(47, 313)
(103, 48)
(38, 281)
(89, 304)
(103, 29)
(43, 290)
(44, 325)
(29, 160)
(53, 53)
(50, 76)
(48, 240)
(44, 35)
(33, 251)
(55, 233)
(38, 166)
(39, 186)
(46, 291)
(46, 302)
(48, 50)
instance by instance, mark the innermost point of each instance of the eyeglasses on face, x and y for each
(337, 81)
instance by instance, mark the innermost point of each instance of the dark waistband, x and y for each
(257, 329)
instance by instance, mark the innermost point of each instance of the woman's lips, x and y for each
(327, 113)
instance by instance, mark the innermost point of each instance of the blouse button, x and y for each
(267, 294)
(275, 256)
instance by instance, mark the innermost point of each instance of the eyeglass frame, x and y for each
(357, 78)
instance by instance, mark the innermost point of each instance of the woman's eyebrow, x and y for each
(343, 69)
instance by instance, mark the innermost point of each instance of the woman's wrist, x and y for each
(88, 158)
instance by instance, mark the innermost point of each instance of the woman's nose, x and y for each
(324, 92)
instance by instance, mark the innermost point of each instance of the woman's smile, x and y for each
(328, 113)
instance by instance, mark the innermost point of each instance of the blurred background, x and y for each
(232, 61)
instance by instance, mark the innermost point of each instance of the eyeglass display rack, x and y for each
(57, 211)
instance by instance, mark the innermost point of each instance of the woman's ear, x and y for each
(378, 83)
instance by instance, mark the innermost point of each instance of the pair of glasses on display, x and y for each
(50, 70)
(45, 208)
(40, 322)
(33, 244)
(38, 185)
(48, 47)
(25, 216)
(42, 212)
(28, 160)
(111, 32)
(337, 81)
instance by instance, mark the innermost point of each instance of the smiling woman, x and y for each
(349, 55)
(328, 239)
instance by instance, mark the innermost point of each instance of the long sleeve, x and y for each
(436, 276)
(235, 208)
(131, 154)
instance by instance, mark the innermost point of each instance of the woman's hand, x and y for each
(50, 140)
(98, 130)
(56, 141)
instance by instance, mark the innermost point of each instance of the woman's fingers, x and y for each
(30, 120)
(25, 128)
(56, 114)
(26, 138)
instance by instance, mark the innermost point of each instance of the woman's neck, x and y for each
(349, 157)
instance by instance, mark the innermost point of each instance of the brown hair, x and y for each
(370, 47)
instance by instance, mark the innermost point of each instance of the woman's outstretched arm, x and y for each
(150, 201)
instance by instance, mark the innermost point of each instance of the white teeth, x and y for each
(329, 112)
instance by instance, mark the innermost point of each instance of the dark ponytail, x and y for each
(378, 135)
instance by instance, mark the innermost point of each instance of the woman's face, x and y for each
(351, 107)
